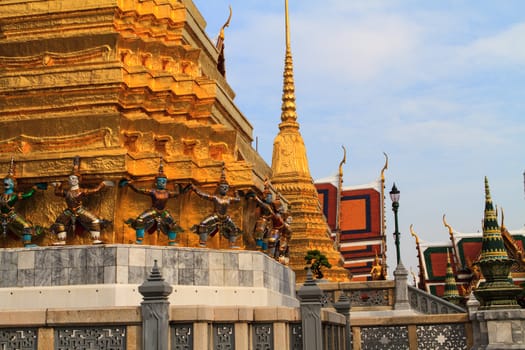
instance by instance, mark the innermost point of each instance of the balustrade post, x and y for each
(155, 311)
(342, 306)
(310, 296)
(401, 288)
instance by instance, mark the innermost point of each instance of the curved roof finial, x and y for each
(384, 167)
(343, 161)
(414, 234)
(221, 65)
(450, 229)
(220, 39)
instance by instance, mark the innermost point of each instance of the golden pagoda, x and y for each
(120, 83)
(291, 177)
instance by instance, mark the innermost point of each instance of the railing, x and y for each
(430, 304)
(372, 295)
(439, 332)
(322, 321)
(189, 328)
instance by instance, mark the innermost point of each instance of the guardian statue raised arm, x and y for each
(219, 220)
(11, 220)
(272, 229)
(76, 213)
(157, 216)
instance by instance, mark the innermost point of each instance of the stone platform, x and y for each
(109, 275)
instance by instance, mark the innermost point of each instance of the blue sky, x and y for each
(437, 85)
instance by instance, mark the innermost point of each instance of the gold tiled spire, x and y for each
(288, 108)
(291, 177)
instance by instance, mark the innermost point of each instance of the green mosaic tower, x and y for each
(497, 291)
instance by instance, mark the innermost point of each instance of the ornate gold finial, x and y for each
(76, 167)
(223, 181)
(422, 284)
(220, 39)
(414, 234)
(338, 202)
(343, 161)
(450, 230)
(161, 173)
(502, 227)
(454, 245)
(287, 24)
(221, 61)
(488, 198)
(221, 65)
(384, 167)
(11, 170)
(288, 108)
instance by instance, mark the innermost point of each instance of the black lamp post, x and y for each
(394, 196)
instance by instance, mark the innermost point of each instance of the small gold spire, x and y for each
(287, 24)
(288, 108)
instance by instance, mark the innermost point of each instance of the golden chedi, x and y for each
(120, 84)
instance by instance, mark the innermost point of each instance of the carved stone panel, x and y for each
(86, 338)
(182, 336)
(263, 336)
(296, 336)
(442, 336)
(19, 338)
(224, 336)
(385, 338)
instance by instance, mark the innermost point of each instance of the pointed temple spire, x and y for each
(492, 246)
(451, 289)
(288, 109)
(497, 291)
(291, 177)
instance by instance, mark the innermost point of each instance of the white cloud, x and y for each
(505, 47)
(357, 49)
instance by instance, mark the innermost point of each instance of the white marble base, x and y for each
(109, 295)
(109, 275)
